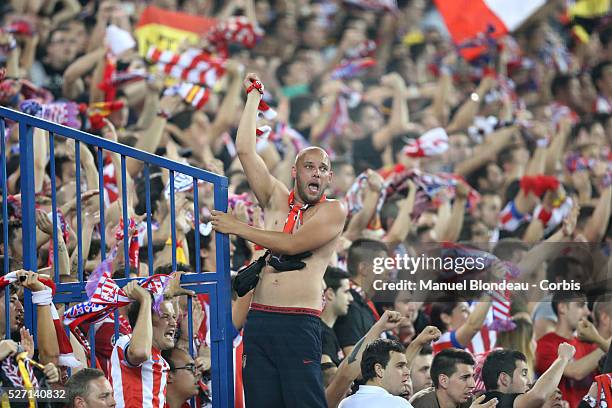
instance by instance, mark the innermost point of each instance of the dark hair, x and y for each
(59, 160)
(378, 352)
(437, 309)
(282, 71)
(298, 105)
(605, 36)
(504, 156)
(167, 269)
(388, 213)
(564, 297)
(497, 362)
(505, 248)
(597, 72)
(559, 83)
(466, 229)
(445, 362)
(426, 350)
(243, 187)
(134, 310)
(156, 188)
(78, 383)
(362, 250)
(167, 355)
(334, 276)
(561, 268)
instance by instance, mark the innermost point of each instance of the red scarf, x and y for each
(296, 215)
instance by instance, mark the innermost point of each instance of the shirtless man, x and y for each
(282, 336)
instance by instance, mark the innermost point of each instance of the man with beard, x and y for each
(282, 335)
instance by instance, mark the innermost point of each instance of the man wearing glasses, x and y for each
(183, 378)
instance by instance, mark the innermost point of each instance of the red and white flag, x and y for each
(466, 19)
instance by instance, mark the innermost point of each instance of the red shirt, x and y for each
(546, 354)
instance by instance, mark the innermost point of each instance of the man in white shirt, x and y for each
(385, 369)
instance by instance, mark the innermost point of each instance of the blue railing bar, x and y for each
(101, 198)
(78, 296)
(77, 160)
(126, 220)
(7, 310)
(28, 226)
(116, 319)
(54, 208)
(78, 289)
(196, 220)
(92, 345)
(173, 220)
(224, 303)
(119, 148)
(190, 325)
(147, 177)
(5, 219)
(4, 200)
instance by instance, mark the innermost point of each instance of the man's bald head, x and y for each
(312, 174)
(308, 151)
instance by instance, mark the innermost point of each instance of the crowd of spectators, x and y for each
(508, 153)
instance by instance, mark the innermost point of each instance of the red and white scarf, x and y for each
(193, 65)
(105, 296)
(195, 95)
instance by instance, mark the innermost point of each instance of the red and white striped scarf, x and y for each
(195, 95)
(193, 65)
(105, 296)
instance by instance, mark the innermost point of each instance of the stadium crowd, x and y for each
(401, 137)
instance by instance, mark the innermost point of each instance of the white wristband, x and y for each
(42, 297)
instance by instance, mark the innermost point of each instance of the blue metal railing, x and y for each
(216, 284)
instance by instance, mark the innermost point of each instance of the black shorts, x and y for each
(281, 363)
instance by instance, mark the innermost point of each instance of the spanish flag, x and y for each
(165, 29)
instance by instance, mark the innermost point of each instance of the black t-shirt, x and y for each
(55, 80)
(503, 400)
(356, 323)
(330, 345)
(365, 156)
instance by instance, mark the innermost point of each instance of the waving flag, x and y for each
(467, 19)
(168, 29)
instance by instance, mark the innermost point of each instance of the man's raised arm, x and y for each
(260, 180)
(548, 382)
